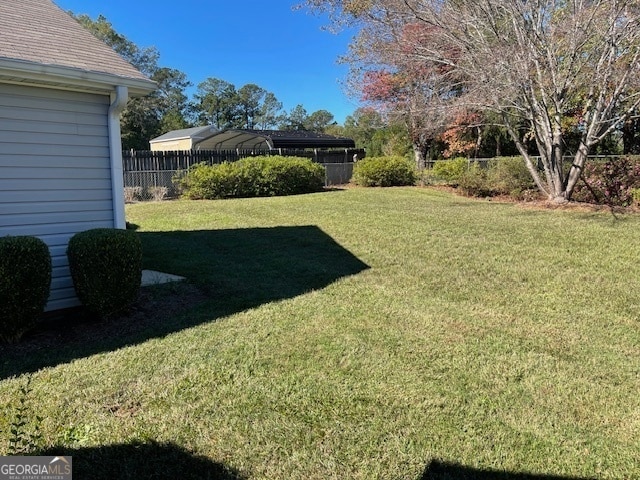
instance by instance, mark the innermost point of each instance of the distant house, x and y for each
(208, 138)
(61, 95)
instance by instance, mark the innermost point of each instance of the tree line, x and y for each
(547, 78)
(221, 104)
(216, 101)
(443, 78)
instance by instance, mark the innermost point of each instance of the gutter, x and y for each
(119, 100)
(69, 78)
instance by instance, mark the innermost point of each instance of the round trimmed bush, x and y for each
(25, 281)
(106, 267)
(384, 172)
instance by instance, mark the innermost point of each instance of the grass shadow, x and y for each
(246, 267)
(439, 470)
(228, 271)
(142, 461)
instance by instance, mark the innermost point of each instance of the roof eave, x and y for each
(208, 130)
(172, 139)
(67, 78)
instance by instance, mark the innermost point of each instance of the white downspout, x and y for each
(119, 100)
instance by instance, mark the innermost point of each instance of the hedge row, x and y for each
(614, 182)
(253, 177)
(105, 264)
(498, 176)
(384, 172)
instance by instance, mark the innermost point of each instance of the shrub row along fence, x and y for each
(612, 180)
(484, 162)
(149, 175)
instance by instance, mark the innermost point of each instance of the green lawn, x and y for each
(361, 334)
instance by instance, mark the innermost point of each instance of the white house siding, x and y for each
(55, 176)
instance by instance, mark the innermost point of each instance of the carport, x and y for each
(238, 139)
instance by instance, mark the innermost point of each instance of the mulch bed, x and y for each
(76, 326)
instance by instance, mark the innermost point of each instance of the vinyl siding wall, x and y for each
(55, 176)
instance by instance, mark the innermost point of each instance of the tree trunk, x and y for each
(420, 155)
(478, 142)
(533, 169)
(576, 170)
(555, 165)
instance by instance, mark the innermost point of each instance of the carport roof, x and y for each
(195, 133)
(273, 139)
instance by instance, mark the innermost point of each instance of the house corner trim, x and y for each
(119, 99)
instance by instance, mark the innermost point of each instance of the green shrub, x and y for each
(500, 176)
(473, 182)
(509, 176)
(253, 177)
(292, 176)
(106, 267)
(384, 172)
(247, 177)
(450, 171)
(203, 181)
(25, 281)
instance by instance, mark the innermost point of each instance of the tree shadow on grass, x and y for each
(228, 271)
(439, 470)
(142, 461)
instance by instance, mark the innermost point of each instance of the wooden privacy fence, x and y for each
(149, 175)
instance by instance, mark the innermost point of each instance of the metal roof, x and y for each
(193, 133)
(270, 139)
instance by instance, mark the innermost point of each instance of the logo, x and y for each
(36, 468)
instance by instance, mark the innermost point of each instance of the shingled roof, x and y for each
(39, 33)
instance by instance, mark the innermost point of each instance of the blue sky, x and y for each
(243, 41)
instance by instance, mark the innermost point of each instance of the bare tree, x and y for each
(534, 62)
(408, 89)
(415, 101)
